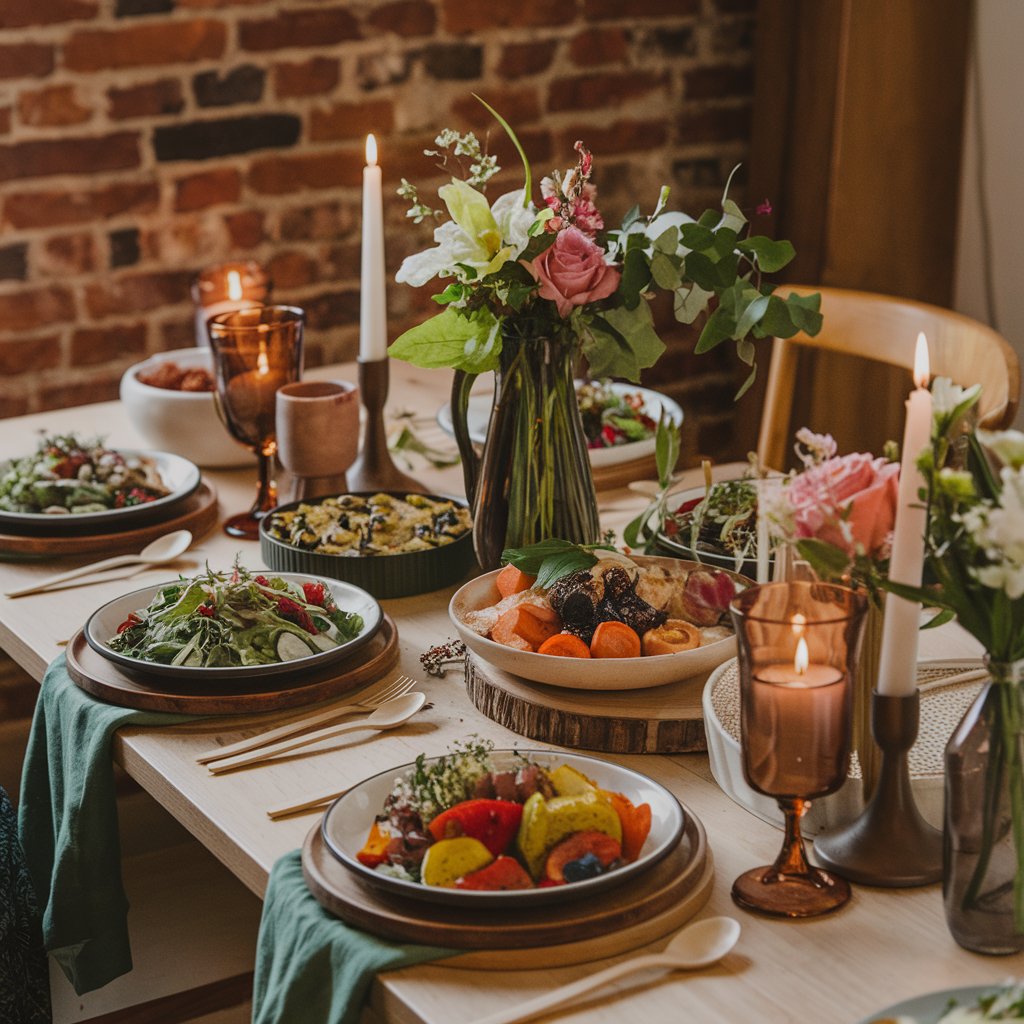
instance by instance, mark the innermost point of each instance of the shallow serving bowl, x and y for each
(586, 673)
(385, 576)
(183, 422)
(348, 820)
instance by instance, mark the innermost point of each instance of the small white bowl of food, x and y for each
(169, 400)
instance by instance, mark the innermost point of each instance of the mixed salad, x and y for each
(70, 476)
(459, 823)
(219, 620)
(721, 522)
(1006, 1003)
(611, 419)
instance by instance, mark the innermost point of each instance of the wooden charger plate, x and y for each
(631, 915)
(197, 512)
(660, 720)
(102, 678)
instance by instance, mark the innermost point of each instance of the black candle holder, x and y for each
(889, 844)
(374, 469)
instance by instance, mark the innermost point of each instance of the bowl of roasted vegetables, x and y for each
(483, 827)
(390, 543)
(235, 624)
(598, 620)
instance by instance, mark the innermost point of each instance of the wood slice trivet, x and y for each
(660, 720)
(630, 915)
(198, 512)
(607, 478)
(102, 678)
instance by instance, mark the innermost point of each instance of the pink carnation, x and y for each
(849, 501)
(572, 272)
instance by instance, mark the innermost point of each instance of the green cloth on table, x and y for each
(312, 968)
(67, 818)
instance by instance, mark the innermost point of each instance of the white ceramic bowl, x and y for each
(183, 422)
(585, 673)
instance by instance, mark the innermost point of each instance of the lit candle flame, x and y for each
(802, 658)
(234, 285)
(922, 371)
(262, 363)
(371, 150)
(798, 622)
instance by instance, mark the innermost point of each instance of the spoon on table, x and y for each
(163, 549)
(699, 945)
(394, 712)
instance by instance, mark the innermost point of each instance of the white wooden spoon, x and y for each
(698, 945)
(156, 552)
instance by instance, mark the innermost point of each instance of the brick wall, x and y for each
(141, 140)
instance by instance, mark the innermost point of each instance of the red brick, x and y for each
(149, 99)
(518, 107)
(599, 46)
(26, 310)
(13, 405)
(718, 81)
(351, 120)
(618, 137)
(331, 309)
(137, 293)
(292, 269)
(26, 60)
(462, 16)
(23, 13)
(342, 261)
(177, 334)
(714, 124)
(281, 175)
(54, 107)
(69, 156)
(323, 221)
(306, 27)
(81, 392)
(309, 78)
(405, 18)
(521, 59)
(199, 191)
(591, 92)
(5, 120)
(62, 255)
(217, 4)
(246, 229)
(146, 44)
(92, 346)
(25, 355)
(603, 10)
(49, 209)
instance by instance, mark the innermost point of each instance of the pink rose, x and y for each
(849, 501)
(572, 272)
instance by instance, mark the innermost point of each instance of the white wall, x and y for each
(994, 138)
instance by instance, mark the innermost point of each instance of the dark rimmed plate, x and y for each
(385, 576)
(103, 623)
(348, 820)
(180, 476)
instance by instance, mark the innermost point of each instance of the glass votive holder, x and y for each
(797, 644)
(226, 288)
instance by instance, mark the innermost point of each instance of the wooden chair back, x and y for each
(885, 329)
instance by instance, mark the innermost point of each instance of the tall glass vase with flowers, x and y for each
(975, 550)
(532, 290)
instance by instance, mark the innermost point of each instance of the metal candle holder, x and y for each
(890, 844)
(374, 469)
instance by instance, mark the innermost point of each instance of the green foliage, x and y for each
(550, 560)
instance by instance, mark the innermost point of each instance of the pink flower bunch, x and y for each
(848, 501)
(572, 197)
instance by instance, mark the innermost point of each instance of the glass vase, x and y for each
(532, 481)
(983, 839)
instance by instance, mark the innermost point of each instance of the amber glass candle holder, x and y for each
(255, 352)
(225, 288)
(797, 647)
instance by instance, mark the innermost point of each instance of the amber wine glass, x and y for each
(797, 643)
(255, 352)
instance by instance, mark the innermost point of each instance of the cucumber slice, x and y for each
(290, 647)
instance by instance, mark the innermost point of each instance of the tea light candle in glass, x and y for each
(226, 288)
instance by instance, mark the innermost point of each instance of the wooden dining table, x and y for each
(885, 946)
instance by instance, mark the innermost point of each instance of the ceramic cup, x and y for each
(318, 434)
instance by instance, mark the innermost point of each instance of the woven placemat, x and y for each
(945, 696)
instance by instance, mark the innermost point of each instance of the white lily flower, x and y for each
(946, 395)
(1006, 445)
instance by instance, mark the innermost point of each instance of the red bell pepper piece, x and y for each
(493, 822)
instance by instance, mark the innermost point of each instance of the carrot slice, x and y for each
(636, 823)
(564, 645)
(615, 640)
(511, 581)
(519, 626)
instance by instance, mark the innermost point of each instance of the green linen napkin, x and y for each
(312, 968)
(67, 818)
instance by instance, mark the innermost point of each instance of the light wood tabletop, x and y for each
(887, 945)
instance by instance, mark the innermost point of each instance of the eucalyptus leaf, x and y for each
(746, 385)
(450, 339)
(827, 560)
(719, 328)
(691, 302)
(665, 271)
(756, 308)
(667, 241)
(771, 255)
